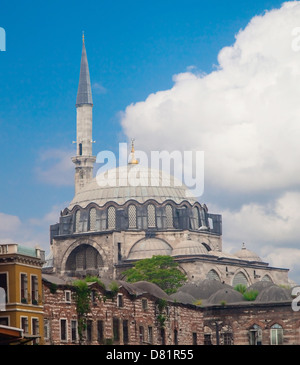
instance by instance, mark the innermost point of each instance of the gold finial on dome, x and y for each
(82, 36)
(133, 160)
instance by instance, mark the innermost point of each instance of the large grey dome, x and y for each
(132, 182)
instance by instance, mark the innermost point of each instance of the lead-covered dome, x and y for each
(132, 182)
(248, 255)
(148, 247)
(189, 248)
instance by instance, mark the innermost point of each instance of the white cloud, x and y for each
(8, 223)
(98, 88)
(271, 230)
(54, 167)
(30, 232)
(244, 115)
(267, 224)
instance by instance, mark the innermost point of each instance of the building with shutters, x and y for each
(107, 227)
(21, 299)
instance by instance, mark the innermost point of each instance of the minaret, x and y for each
(84, 159)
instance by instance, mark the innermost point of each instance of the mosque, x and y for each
(105, 229)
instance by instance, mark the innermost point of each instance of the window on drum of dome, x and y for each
(169, 216)
(111, 218)
(77, 220)
(92, 226)
(151, 216)
(132, 216)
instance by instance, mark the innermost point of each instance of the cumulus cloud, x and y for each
(263, 224)
(30, 232)
(245, 116)
(54, 167)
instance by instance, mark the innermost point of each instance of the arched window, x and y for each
(267, 278)
(169, 216)
(276, 334)
(132, 216)
(111, 218)
(151, 216)
(84, 257)
(92, 217)
(255, 335)
(196, 218)
(239, 278)
(213, 275)
(77, 220)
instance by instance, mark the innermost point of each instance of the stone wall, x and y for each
(128, 318)
(139, 319)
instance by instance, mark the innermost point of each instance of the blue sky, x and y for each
(134, 49)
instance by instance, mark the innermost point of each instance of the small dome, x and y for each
(260, 286)
(204, 289)
(189, 248)
(182, 297)
(221, 254)
(132, 182)
(226, 295)
(273, 293)
(148, 247)
(245, 254)
(151, 288)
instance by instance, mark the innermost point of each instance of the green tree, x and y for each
(160, 270)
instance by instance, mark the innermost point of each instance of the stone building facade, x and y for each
(137, 314)
(142, 314)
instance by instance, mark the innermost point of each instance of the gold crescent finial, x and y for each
(82, 36)
(133, 160)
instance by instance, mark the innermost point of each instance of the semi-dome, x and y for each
(132, 182)
(189, 248)
(248, 255)
(146, 248)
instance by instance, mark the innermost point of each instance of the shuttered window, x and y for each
(132, 216)
(151, 216)
(169, 216)
(92, 219)
(111, 218)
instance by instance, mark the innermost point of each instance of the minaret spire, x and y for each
(84, 94)
(84, 159)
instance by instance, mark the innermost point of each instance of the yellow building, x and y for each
(21, 302)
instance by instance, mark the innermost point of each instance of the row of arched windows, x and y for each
(193, 219)
(111, 219)
(239, 278)
(132, 217)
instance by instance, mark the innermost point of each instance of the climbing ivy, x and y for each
(83, 301)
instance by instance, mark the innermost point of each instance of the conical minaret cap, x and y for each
(84, 94)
